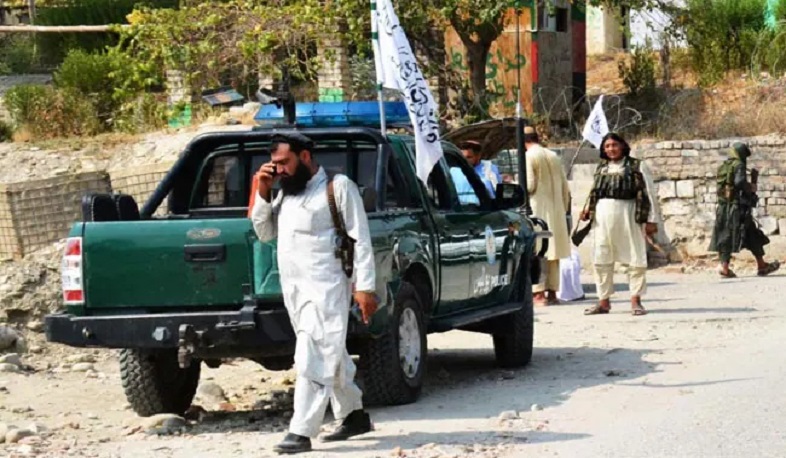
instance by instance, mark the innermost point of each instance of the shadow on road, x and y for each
(466, 383)
(591, 288)
(448, 441)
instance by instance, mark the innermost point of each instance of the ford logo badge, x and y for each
(203, 234)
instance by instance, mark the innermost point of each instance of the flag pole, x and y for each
(375, 44)
(575, 156)
(522, 154)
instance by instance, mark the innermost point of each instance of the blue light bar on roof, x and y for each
(336, 114)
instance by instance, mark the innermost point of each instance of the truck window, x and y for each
(397, 193)
(471, 191)
(225, 187)
(227, 175)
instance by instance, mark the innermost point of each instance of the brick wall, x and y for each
(335, 80)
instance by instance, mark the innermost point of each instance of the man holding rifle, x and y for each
(735, 227)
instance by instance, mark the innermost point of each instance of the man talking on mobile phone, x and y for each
(323, 245)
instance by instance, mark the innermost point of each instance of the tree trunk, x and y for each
(477, 56)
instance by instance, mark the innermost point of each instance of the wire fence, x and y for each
(140, 182)
(36, 213)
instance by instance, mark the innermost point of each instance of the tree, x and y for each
(207, 41)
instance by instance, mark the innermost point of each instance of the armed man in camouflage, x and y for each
(735, 228)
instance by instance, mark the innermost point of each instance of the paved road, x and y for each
(700, 376)
(710, 386)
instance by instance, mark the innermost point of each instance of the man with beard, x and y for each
(315, 285)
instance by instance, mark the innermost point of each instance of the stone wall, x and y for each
(685, 173)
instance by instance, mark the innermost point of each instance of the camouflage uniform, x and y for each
(735, 229)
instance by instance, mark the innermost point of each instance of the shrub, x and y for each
(90, 74)
(722, 35)
(145, 112)
(639, 75)
(18, 55)
(26, 101)
(47, 112)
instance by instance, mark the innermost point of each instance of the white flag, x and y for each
(397, 69)
(597, 127)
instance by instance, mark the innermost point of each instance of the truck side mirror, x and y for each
(509, 195)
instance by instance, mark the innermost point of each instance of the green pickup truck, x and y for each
(196, 285)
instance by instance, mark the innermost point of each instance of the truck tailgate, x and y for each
(179, 263)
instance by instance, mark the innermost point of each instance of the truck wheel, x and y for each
(154, 383)
(395, 364)
(513, 339)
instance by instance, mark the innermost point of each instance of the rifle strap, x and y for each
(345, 249)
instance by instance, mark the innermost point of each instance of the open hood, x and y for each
(494, 135)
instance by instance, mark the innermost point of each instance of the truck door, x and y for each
(455, 260)
(487, 232)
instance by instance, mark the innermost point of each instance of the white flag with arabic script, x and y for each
(397, 69)
(597, 126)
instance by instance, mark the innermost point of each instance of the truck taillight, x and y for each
(73, 285)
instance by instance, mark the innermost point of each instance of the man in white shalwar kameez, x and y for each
(550, 200)
(316, 290)
(623, 213)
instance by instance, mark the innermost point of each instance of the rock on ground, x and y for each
(8, 336)
(160, 420)
(11, 358)
(15, 435)
(6, 367)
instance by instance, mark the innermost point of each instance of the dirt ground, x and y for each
(616, 368)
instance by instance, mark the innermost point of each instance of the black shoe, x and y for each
(292, 444)
(357, 423)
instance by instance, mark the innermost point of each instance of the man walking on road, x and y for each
(735, 227)
(315, 283)
(550, 200)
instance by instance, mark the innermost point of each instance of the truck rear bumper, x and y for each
(208, 334)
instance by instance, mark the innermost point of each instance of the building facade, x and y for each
(552, 59)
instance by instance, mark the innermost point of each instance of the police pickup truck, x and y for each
(193, 284)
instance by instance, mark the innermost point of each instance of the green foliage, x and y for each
(48, 112)
(18, 54)
(6, 131)
(639, 75)
(25, 101)
(54, 47)
(722, 35)
(92, 76)
(213, 44)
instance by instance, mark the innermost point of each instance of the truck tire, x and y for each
(154, 383)
(514, 335)
(394, 365)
